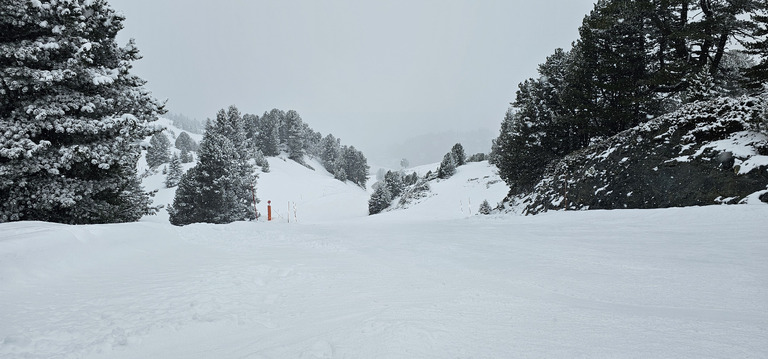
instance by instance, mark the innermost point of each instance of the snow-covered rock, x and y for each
(705, 153)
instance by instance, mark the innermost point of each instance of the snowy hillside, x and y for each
(313, 195)
(455, 197)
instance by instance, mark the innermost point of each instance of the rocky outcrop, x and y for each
(705, 153)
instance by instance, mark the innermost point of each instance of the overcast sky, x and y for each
(369, 72)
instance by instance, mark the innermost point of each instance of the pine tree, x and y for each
(447, 166)
(701, 87)
(339, 173)
(354, 164)
(267, 137)
(508, 155)
(380, 200)
(185, 142)
(394, 183)
(217, 189)
(477, 157)
(607, 89)
(411, 179)
(294, 136)
(311, 140)
(539, 127)
(186, 156)
(485, 208)
(251, 123)
(261, 161)
(175, 172)
(757, 75)
(158, 151)
(230, 124)
(330, 151)
(72, 115)
(458, 154)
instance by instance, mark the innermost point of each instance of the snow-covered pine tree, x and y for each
(485, 208)
(458, 154)
(158, 151)
(536, 129)
(230, 124)
(251, 123)
(355, 165)
(186, 156)
(447, 166)
(294, 136)
(380, 200)
(339, 173)
(72, 116)
(393, 180)
(175, 172)
(410, 179)
(311, 140)
(218, 189)
(330, 150)
(477, 157)
(184, 141)
(607, 89)
(267, 137)
(701, 87)
(757, 75)
(261, 160)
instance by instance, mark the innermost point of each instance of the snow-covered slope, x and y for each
(170, 131)
(456, 197)
(313, 195)
(676, 283)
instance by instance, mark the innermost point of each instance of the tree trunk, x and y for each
(715, 66)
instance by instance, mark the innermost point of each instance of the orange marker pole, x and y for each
(269, 210)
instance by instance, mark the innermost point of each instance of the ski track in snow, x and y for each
(683, 283)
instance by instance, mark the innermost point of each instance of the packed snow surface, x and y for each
(675, 283)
